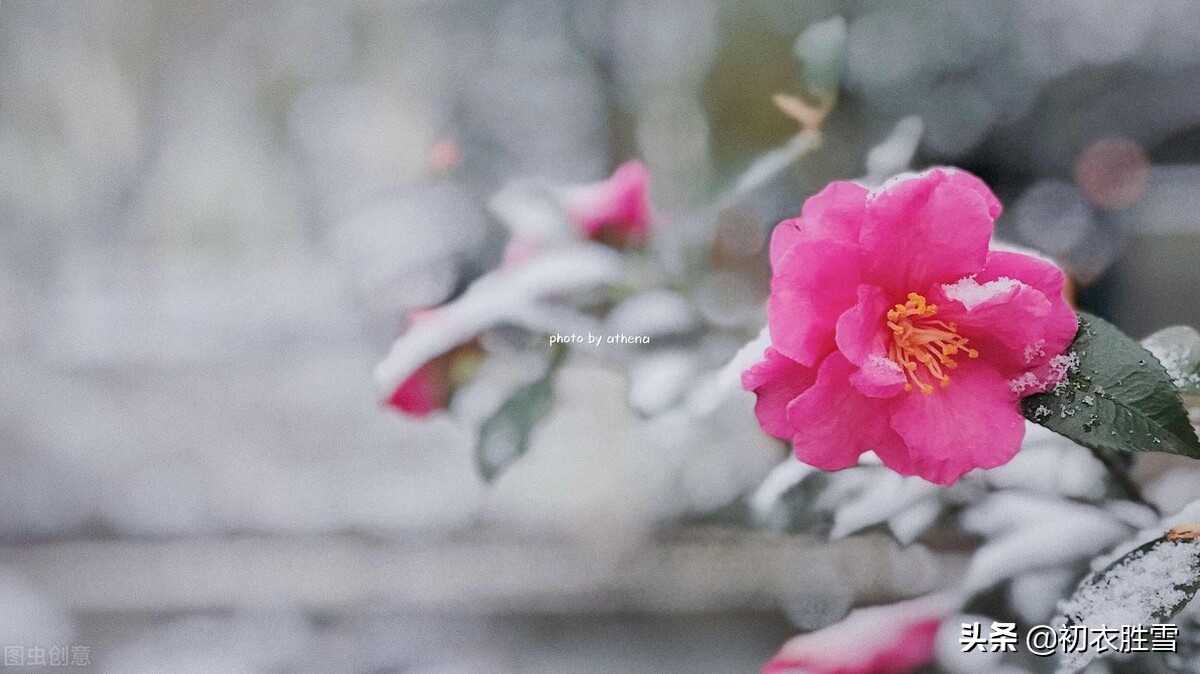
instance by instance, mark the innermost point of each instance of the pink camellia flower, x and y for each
(615, 211)
(894, 639)
(895, 329)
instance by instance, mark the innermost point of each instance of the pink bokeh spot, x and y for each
(615, 210)
(894, 639)
(916, 331)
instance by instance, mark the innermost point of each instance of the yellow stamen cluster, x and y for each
(922, 345)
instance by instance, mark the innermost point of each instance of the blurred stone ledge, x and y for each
(483, 572)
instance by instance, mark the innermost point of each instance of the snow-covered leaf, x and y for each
(909, 524)
(1178, 349)
(889, 495)
(1051, 464)
(659, 380)
(537, 296)
(654, 313)
(1115, 396)
(1027, 532)
(771, 165)
(1148, 585)
(893, 154)
(766, 498)
(527, 208)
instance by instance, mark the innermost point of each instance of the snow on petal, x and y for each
(970, 293)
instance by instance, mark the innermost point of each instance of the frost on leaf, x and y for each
(1148, 585)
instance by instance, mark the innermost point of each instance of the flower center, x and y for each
(924, 346)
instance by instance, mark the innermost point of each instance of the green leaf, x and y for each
(504, 436)
(1117, 397)
(821, 49)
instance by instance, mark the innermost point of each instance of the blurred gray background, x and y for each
(198, 202)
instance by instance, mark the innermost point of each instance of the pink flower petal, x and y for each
(617, 208)
(785, 235)
(862, 337)
(1004, 318)
(926, 230)
(1060, 324)
(892, 639)
(810, 287)
(833, 424)
(879, 377)
(836, 212)
(424, 392)
(974, 422)
(1041, 274)
(1013, 324)
(777, 380)
(862, 329)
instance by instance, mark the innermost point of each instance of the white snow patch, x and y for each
(1028, 532)
(888, 496)
(1026, 382)
(1034, 351)
(1178, 349)
(781, 478)
(971, 293)
(1060, 366)
(1138, 592)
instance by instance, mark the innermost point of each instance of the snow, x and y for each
(527, 208)
(659, 380)
(895, 153)
(656, 312)
(1027, 532)
(1034, 351)
(1034, 596)
(1178, 349)
(909, 524)
(889, 495)
(970, 293)
(1026, 382)
(1061, 366)
(783, 477)
(1141, 591)
(528, 296)
(1051, 464)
